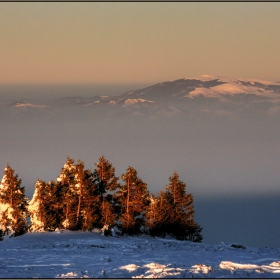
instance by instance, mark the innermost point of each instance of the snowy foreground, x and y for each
(89, 255)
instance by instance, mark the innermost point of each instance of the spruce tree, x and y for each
(81, 197)
(159, 215)
(79, 187)
(13, 205)
(36, 207)
(91, 206)
(106, 173)
(133, 198)
(54, 205)
(107, 184)
(172, 212)
(87, 202)
(176, 193)
(152, 215)
(180, 222)
(66, 182)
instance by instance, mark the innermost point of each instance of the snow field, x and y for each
(68, 254)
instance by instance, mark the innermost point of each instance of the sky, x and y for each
(134, 43)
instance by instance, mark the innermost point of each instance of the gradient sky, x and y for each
(99, 43)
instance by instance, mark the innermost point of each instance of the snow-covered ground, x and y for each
(71, 254)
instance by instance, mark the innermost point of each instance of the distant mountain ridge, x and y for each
(206, 85)
(210, 86)
(216, 95)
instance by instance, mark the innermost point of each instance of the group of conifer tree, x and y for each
(84, 200)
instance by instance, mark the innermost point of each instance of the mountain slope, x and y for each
(209, 86)
(215, 95)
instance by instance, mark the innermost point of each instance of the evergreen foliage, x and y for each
(46, 207)
(80, 197)
(106, 173)
(13, 205)
(107, 184)
(36, 207)
(172, 213)
(84, 200)
(54, 204)
(133, 199)
(66, 182)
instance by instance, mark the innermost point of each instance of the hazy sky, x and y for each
(137, 42)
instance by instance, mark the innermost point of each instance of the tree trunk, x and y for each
(67, 210)
(127, 200)
(79, 205)
(11, 198)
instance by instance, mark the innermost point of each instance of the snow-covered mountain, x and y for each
(216, 95)
(209, 86)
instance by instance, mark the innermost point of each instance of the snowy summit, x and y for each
(234, 86)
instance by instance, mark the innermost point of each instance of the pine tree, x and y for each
(36, 207)
(91, 207)
(176, 193)
(79, 186)
(86, 192)
(107, 184)
(106, 173)
(159, 215)
(180, 221)
(54, 206)
(81, 197)
(13, 205)
(133, 198)
(67, 183)
(173, 213)
(109, 216)
(46, 206)
(152, 215)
